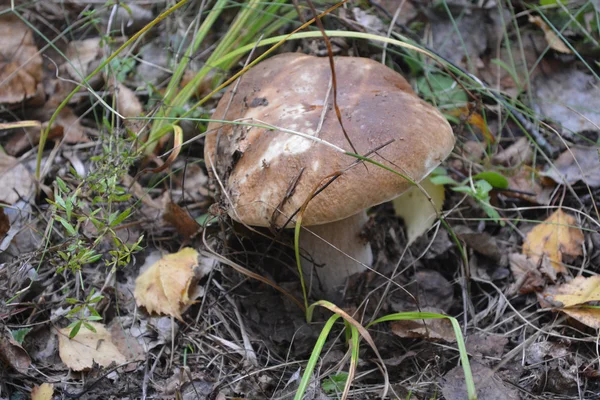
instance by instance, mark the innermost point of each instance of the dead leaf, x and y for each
(128, 105)
(482, 345)
(416, 210)
(552, 38)
(570, 97)
(482, 242)
(528, 278)
(574, 296)
(83, 54)
(43, 392)
(432, 329)
(182, 221)
(558, 235)
(15, 180)
(164, 287)
(525, 185)
(20, 63)
(127, 344)
(88, 347)
(577, 164)
(475, 119)
(488, 384)
(520, 152)
(12, 353)
(4, 224)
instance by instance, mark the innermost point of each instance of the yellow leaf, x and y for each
(475, 119)
(88, 347)
(163, 288)
(579, 291)
(416, 210)
(552, 38)
(42, 392)
(558, 235)
(575, 295)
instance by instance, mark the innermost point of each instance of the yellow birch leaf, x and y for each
(42, 392)
(575, 295)
(558, 235)
(88, 347)
(163, 288)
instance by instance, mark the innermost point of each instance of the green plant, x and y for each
(478, 187)
(83, 313)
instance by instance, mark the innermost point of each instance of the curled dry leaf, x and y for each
(552, 38)
(20, 63)
(558, 235)
(164, 287)
(88, 347)
(43, 392)
(574, 296)
(12, 353)
(520, 152)
(577, 164)
(4, 224)
(528, 277)
(416, 210)
(15, 180)
(432, 329)
(182, 221)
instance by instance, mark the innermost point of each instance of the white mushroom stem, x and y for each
(338, 252)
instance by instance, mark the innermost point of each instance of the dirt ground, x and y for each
(124, 276)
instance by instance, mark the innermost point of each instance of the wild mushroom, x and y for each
(268, 174)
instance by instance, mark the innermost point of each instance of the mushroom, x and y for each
(267, 174)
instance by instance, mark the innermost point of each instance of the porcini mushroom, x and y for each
(269, 173)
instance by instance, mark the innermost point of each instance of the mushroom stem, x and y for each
(334, 251)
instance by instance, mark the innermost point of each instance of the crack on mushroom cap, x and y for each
(377, 105)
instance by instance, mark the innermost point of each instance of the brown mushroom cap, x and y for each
(258, 166)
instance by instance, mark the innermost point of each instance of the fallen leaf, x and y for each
(554, 41)
(576, 164)
(570, 97)
(20, 62)
(488, 384)
(574, 296)
(485, 345)
(127, 344)
(43, 392)
(164, 287)
(4, 224)
(82, 55)
(474, 118)
(182, 221)
(128, 105)
(482, 242)
(15, 180)
(520, 152)
(528, 278)
(432, 329)
(88, 347)
(558, 235)
(12, 353)
(416, 210)
(525, 185)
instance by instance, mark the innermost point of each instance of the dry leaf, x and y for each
(489, 384)
(475, 119)
(15, 180)
(577, 164)
(579, 292)
(552, 38)
(88, 347)
(43, 392)
(432, 329)
(520, 152)
(416, 210)
(558, 235)
(4, 224)
(164, 287)
(182, 221)
(528, 278)
(20, 63)
(128, 105)
(12, 353)
(82, 54)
